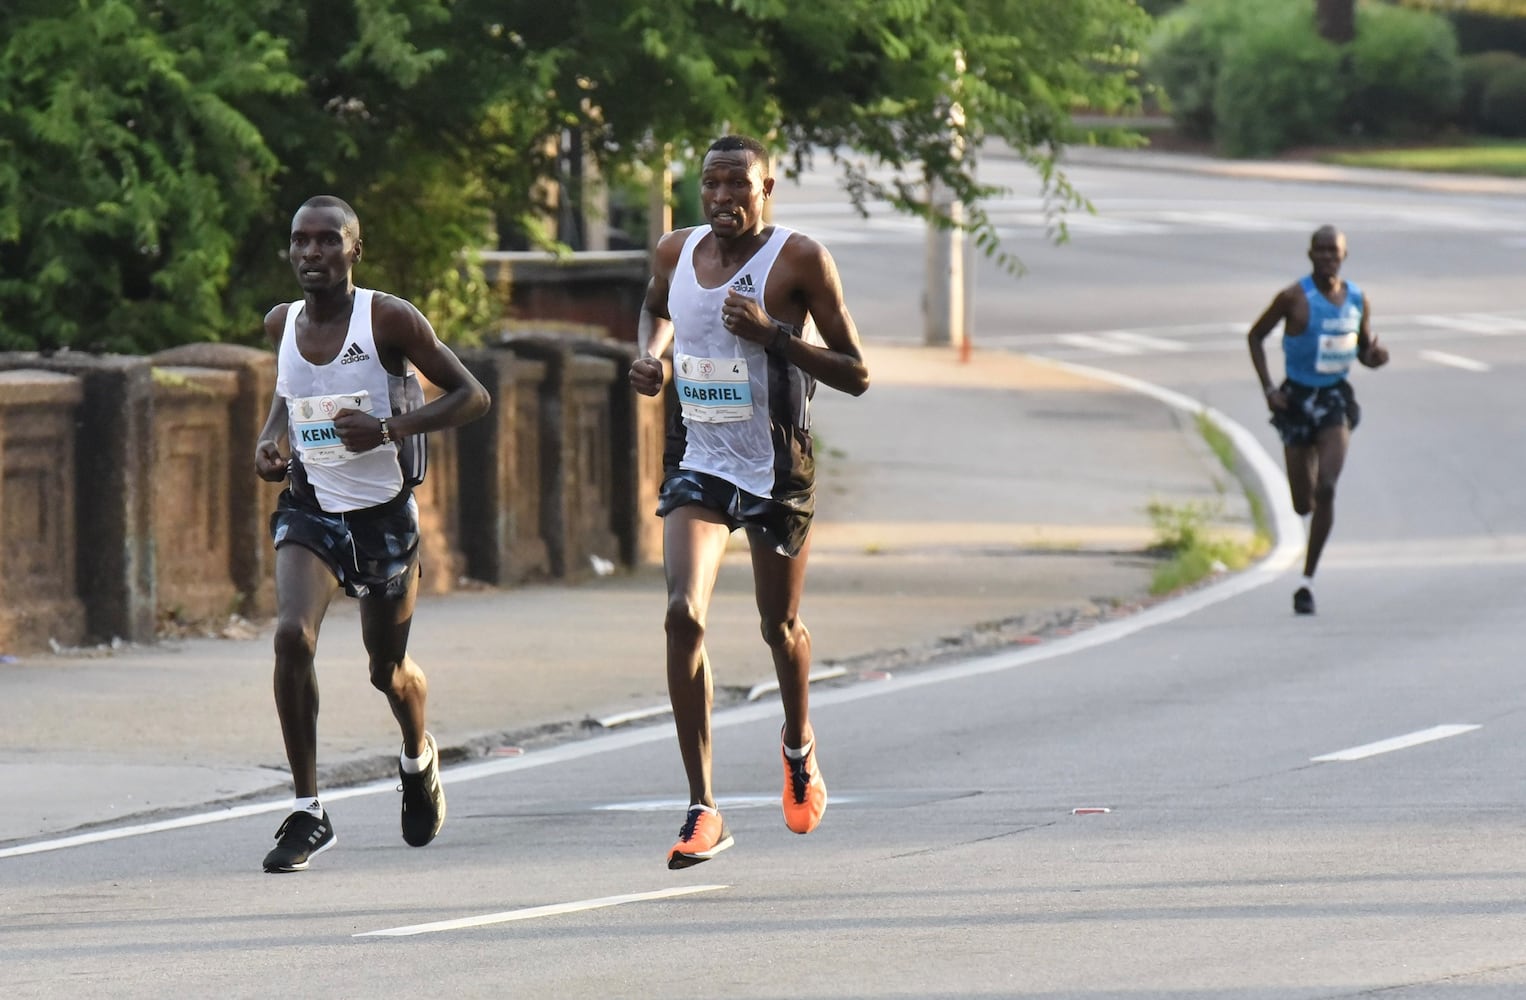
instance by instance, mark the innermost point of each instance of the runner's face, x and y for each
(321, 252)
(1326, 251)
(732, 190)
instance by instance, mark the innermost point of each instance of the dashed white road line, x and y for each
(534, 912)
(1395, 743)
(1088, 342)
(1452, 360)
(1147, 341)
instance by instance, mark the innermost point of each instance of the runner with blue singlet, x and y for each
(1325, 330)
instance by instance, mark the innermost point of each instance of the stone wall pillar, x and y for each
(638, 432)
(39, 597)
(442, 562)
(251, 500)
(113, 489)
(500, 472)
(577, 485)
(193, 491)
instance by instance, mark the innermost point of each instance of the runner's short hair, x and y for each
(351, 220)
(733, 143)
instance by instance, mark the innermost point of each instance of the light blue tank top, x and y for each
(1324, 352)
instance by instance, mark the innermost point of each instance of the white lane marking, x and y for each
(1396, 743)
(634, 715)
(534, 912)
(1145, 340)
(761, 688)
(1288, 530)
(1453, 360)
(722, 802)
(1088, 342)
(1484, 325)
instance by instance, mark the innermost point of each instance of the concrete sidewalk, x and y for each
(962, 506)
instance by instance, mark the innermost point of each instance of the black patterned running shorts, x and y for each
(1311, 409)
(372, 552)
(785, 523)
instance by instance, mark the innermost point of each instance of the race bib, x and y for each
(1336, 353)
(712, 390)
(312, 426)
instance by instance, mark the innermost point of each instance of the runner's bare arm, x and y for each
(654, 327)
(1275, 313)
(839, 363)
(402, 332)
(269, 463)
(1368, 351)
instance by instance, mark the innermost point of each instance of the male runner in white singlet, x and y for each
(756, 318)
(348, 518)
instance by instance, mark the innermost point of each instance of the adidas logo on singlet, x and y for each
(743, 285)
(352, 354)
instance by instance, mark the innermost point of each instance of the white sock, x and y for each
(307, 804)
(703, 808)
(416, 765)
(800, 754)
(1306, 518)
(1308, 581)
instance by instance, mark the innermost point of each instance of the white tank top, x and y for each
(341, 480)
(745, 452)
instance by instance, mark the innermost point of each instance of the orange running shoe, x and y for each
(805, 794)
(702, 837)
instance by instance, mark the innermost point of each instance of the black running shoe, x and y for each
(423, 799)
(301, 838)
(1303, 601)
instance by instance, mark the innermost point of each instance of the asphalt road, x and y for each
(1295, 808)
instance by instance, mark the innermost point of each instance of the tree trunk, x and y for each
(1336, 19)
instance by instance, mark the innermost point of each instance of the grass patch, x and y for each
(1182, 532)
(1224, 450)
(1192, 552)
(1494, 159)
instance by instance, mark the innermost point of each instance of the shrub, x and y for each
(1183, 58)
(1502, 109)
(1279, 84)
(1406, 75)
(1478, 73)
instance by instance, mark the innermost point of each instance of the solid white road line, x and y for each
(761, 688)
(634, 715)
(534, 912)
(1396, 743)
(1454, 360)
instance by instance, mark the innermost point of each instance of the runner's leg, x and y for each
(304, 586)
(384, 626)
(778, 582)
(1330, 445)
(1301, 460)
(693, 543)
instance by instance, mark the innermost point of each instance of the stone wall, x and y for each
(603, 290)
(128, 496)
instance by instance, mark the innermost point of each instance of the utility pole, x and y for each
(659, 206)
(945, 301)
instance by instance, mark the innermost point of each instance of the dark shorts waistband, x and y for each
(784, 522)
